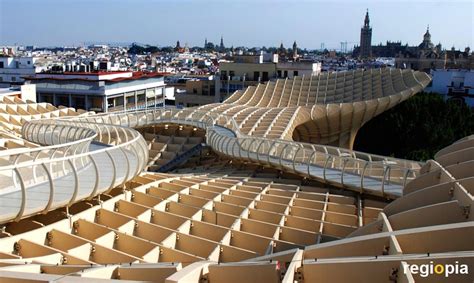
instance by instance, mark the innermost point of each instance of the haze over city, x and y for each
(241, 23)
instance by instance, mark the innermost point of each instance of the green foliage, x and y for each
(417, 128)
(137, 49)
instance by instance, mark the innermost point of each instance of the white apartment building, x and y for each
(100, 91)
(246, 70)
(298, 68)
(14, 69)
(453, 84)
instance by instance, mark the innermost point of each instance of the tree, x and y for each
(417, 128)
(140, 50)
(210, 46)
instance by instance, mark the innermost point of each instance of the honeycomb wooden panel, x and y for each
(324, 109)
(209, 225)
(236, 220)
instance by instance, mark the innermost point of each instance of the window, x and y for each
(231, 74)
(223, 75)
(285, 74)
(1, 65)
(279, 73)
(195, 91)
(256, 76)
(265, 76)
(295, 73)
(13, 79)
(119, 101)
(110, 102)
(28, 62)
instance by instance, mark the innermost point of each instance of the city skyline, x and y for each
(191, 22)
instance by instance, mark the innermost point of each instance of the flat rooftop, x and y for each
(96, 76)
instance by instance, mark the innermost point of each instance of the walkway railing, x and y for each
(75, 163)
(85, 156)
(373, 174)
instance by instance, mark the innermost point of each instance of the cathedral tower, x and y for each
(366, 38)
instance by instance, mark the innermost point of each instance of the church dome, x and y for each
(426, 44)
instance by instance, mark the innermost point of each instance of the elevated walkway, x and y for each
(73, 162)
(361, 172)
(101, 172)
(40, 185)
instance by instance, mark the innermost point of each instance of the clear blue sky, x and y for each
(248, 23)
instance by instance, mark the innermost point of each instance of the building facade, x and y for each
(297, 68)
(427, 56)
(24, 92)
(14, 69)
(100, 91)
(246, 70)
(198, 91)
(388, 50)
(453, 85)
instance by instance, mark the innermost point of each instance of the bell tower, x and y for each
(366, 38)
